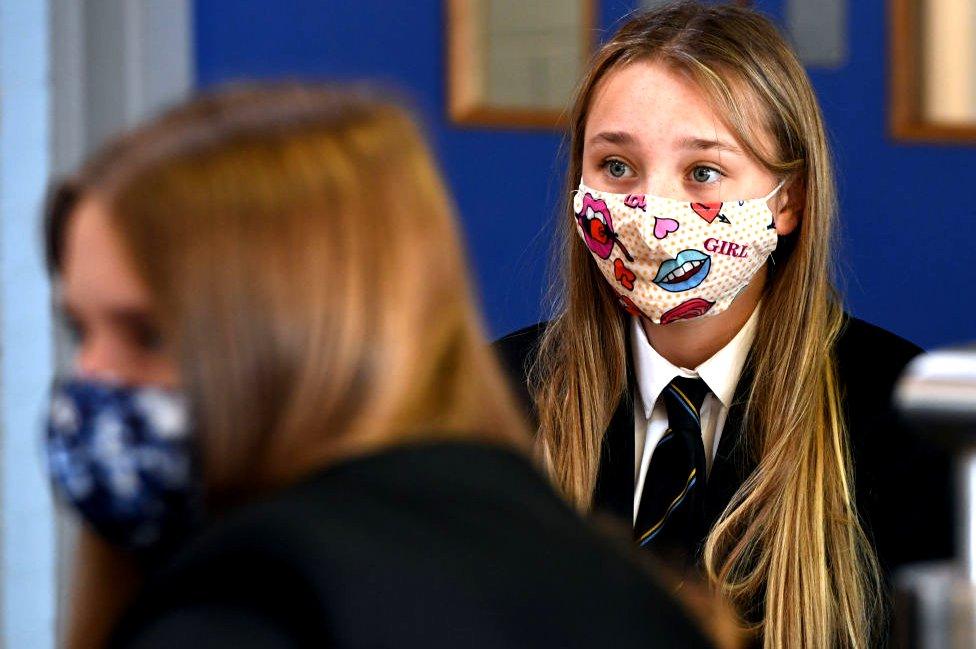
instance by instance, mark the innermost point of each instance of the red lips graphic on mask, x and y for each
(598, 231)
(597, 225)
(693, 308)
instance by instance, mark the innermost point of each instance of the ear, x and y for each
(788, 206)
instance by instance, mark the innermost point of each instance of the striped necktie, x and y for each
(670, 518)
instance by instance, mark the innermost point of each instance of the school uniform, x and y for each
(439, 545)
(903, 485)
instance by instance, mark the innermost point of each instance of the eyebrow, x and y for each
(132, 317)
(701, 144)
(694, 143)
(613, 137)
(123, 315)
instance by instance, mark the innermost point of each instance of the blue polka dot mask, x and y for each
(122, 457)
(670, 260)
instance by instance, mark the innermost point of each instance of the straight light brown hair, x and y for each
(790, 540)
(301, 252)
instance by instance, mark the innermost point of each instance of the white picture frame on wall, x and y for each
(933, 70)
(514, 63)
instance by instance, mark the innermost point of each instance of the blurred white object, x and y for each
(942, 612)
(942, 383)
(937, 395)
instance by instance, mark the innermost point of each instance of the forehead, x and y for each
(654, 102)
(96, 265)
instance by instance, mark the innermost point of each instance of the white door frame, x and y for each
(71, 73)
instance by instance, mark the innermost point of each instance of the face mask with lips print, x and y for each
(670, 259)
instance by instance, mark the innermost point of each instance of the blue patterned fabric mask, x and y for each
(122, 457)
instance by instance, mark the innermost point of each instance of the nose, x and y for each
(95, 359)
(663, 184)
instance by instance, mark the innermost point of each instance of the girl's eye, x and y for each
(706, 175)
(616, 168)
(76, 331)
(147, 337)
(151, 341)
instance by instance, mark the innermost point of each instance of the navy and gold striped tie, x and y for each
(671, 513)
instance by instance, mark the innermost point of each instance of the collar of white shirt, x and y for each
(720, 372)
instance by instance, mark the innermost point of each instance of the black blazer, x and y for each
(903, 486)
(442, 545)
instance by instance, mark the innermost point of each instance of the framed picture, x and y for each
(516, 63)
(933, 70)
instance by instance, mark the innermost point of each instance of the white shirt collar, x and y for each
(720, 372)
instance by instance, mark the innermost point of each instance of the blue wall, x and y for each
(909, 225)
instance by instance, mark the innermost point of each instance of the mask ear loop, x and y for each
(772, 224)
(765, 200)
(775, 190)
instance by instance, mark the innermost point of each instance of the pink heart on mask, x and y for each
(662, 227)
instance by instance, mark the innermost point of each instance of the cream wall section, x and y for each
(949, 61)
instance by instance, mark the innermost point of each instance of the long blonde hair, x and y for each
(301, 250)
(790, 539)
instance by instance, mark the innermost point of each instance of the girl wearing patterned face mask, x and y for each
(267, 426)
(700, 379)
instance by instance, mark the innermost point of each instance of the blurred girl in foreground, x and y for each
(285, 424)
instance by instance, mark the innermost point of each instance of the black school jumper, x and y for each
(441, 545)
(903, 486)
